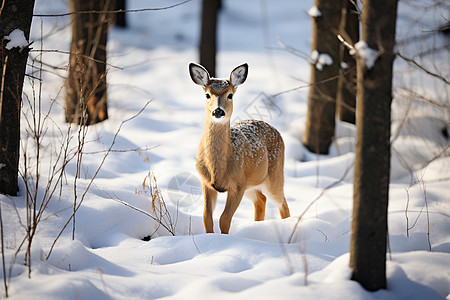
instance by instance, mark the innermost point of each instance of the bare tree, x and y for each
(320, 120)
(86, 82)
(15, 22)
(372, 163)
(208, 42)
(346, 86)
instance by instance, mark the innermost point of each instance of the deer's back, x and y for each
(257, 142)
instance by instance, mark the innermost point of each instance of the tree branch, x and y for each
(110, 11)
(414, 63)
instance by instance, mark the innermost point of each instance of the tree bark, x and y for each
(372, 163)
(208, 40)
(346, 87)
(86, 95)
(320, 121)
(120, 18)
(16, 14)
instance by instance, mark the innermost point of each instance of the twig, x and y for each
(357, 9)
(406, 211)
(159, 221)
(428, 214)
(192, 234)
(1, 8)
(292, 50)
(3, 253)
(3, 82)
(143, 212)
(94, 176)
(346, 44)
(310, 84)
(78, 54)
(420, 97)
(299, 218)
(326, 237)
(413, 62)
(110, 11)
(122, 150)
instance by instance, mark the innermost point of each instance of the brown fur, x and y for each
(245, 158)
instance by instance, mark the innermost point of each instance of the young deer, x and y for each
(247, 158)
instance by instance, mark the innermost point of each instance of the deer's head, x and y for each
(218, 92)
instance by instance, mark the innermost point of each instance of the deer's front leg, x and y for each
(210, 199)
(234, 198)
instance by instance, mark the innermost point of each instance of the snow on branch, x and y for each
(314, 12)
(361, 48)
(368, 54)
(320, 59)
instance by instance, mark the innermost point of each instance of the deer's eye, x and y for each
(230, 96)
(207, 96)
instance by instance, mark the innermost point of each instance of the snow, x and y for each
(111, 257)
(16, 39)
(320, 59)
(314, 12)
(368, 54)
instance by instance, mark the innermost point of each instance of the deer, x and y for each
(246, 159)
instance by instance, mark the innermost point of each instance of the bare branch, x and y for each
(309, 84)
(3, 83)
(292, 50)
(299, 218)
(93, 177)
(122, 150)
(110, 11)
(346, 44)
(414, 63)
(78, 54)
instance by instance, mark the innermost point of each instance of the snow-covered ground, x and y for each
(271, 259)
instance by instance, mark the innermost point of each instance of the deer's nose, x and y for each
(218, 113)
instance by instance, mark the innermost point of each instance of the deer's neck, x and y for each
(218, 149)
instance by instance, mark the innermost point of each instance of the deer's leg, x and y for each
(260, 206)
(210, 198)
(280, 201)
(276, 193)
(284, 209)
(233, 200)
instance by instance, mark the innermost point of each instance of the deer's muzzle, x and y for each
(218, 113)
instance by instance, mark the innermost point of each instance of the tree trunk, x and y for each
(120, 18)
(372, 163)
(208, 42)
(16, 14)
(346, 88)
(86, 97)
(320, 120)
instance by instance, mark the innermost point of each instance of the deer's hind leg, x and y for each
(280, 201)
(260, 206)
(276, 194)
(259, 201)
(284, 209)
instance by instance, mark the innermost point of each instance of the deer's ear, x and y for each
(239, 75)
(199, 75)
